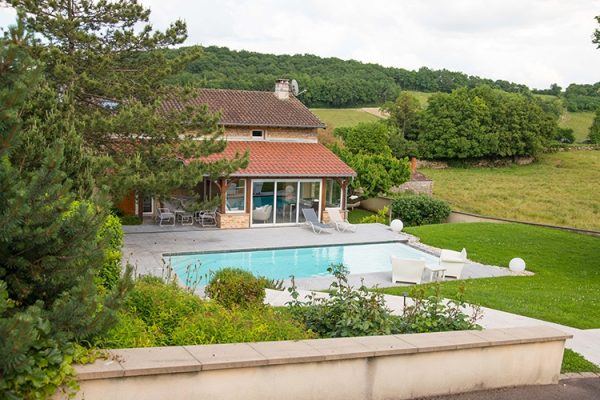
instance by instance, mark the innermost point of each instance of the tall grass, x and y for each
(560, 189)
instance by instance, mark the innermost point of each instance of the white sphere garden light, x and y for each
(517, 264)
(397, 226)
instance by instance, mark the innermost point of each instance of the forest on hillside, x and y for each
(324, 82)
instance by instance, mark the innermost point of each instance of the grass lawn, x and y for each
(343, 117)
(580, 122)
(574, 362)
(356, 215)
(561, 189)
(565, 288)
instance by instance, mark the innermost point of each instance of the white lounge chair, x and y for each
(408, 271)
(164, 214)
(453, 261)
(340, 224)
(312, 220)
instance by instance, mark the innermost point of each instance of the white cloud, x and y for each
(536, 42)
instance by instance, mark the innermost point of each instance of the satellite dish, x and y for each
(295, 87)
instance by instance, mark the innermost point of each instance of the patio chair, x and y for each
(164, 214)
(340, 224)
(453, 261)
(407, 271)
(313, 221)
(207, 217)
(262, 214)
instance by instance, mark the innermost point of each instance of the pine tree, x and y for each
(49, 254)
(111, 64)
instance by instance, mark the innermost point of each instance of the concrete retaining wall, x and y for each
(378, 367)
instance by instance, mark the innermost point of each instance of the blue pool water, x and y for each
(301, 262)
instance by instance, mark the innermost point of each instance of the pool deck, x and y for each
(145, 246)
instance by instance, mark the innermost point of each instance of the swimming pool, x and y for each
(301, 262)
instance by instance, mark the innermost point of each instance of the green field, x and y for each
(560, 189)
(580, 122)
(565, 288)
(421, 96)
(343, 117)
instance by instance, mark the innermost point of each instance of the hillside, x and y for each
(325, 82)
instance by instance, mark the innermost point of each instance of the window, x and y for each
(333, 194)
(258, 134)
(236, 195)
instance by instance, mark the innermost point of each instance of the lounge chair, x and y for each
(164, 214)
(408, 271)
(207, 217)
(262, 214)
(453, 261)
(340, 224)
(313, 221)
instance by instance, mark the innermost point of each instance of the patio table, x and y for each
(437, 272)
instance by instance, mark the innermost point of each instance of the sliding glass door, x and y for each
(279, 202)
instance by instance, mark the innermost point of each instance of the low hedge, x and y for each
(163, 314)
(416, 210)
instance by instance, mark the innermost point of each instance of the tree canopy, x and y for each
(107, 63)
(328, 82)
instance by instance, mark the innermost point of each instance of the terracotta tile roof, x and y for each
(252, 108)
(276, 159)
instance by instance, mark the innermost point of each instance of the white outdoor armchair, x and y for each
(453, 261)
(164, 214)
(408, 271)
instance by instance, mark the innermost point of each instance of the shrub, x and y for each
(416, 210)
(381, 217)
(112, 234)
(233, 287)
(564, 135)
(346, 312)
(594, 134)
(130, 220)
(163, 314)
(434, 314)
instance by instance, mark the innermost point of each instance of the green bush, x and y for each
(382, 217)
(234, 287)
(416, 210)
(346, 312)
(112, 234)
(163, 314)
(433, 314)
(130, 220)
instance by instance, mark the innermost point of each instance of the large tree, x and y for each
(50, 255)
(109, 64)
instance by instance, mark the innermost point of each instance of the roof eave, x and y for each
(322, 126)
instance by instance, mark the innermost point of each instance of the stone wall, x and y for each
(356, 368)
(419, 187)
(233, 221)
(273, 134)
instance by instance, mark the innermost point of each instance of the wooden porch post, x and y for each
(248, 195)
(223, 190)
(323, 196)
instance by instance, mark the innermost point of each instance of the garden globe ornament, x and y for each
(517, 264)
(397, 225)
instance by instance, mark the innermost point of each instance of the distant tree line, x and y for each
(325, 82)
(583, 97)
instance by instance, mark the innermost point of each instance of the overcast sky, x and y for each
(536, 42)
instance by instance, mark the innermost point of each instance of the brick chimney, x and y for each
(282, 89)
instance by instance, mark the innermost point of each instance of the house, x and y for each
(288, 169)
